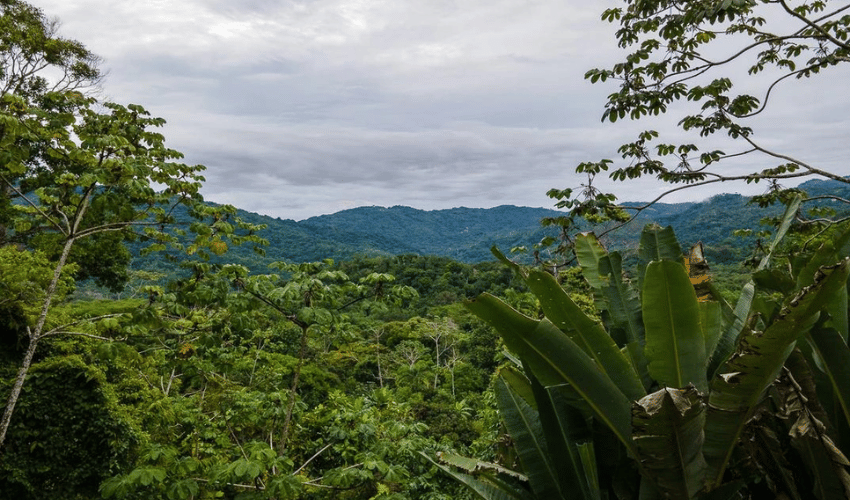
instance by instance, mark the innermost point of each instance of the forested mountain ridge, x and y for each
(467, 234)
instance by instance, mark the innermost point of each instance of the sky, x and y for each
(306, 107)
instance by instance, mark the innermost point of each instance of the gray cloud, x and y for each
(300, 108)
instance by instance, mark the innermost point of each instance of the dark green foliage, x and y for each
(69, 434)
(705, 402)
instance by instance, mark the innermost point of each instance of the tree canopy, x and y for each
(712, 65)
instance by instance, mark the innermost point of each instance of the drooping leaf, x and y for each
(473, 466)
(668, 431)
(556, 360)
(835, 358)
(523, 424)
(486, 487)
(755, 364)
(585, 332)
(675, 347)
(566, 430)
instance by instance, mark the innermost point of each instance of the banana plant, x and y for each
(671, 397)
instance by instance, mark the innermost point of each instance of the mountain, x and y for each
(463, 234)
(466, 234)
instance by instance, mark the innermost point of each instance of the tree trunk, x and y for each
(34, 336)
(291, 405)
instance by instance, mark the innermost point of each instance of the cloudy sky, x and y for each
(305, 107)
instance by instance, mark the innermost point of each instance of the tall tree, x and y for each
(715, 65)
(99, 169)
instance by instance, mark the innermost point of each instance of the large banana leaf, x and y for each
(588, 251)
(634, 353)
(566, 429)
(523, 424)
(624, 309)
(668, 430)
(787, 218)
(755, 364)
(834, 355)
(614, 296)
(729, 338)
(675, 346)
(556, 360)
(519, 383)
(711, 320)
(657, 244)
(584, 331)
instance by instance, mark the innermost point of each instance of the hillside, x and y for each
(466, 234)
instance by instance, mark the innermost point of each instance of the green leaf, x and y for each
(835, 357)
(711, 320)
(634, 353)
(755, 364)
(519, 383)
(624, 307)
(614, 296)
(668, 431)
(657, 244)
(675, 347)
(588, 251)
(565, 429)
(555, 360)
(728, 340)
(523, 424)
(787, 218)
(584, 331)
(485, 487)
(474, 466)
(588, 460)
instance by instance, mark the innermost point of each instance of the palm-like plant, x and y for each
(670, 397)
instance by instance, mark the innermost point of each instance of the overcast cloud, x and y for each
(301, 108)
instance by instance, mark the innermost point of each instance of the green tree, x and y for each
(36, 60)
(103, 168)
(689, 58)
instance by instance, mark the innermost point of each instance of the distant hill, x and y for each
(466, 234)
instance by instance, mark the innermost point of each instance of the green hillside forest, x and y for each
(154, 345)
(467, 234)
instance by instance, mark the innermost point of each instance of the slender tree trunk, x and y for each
(34, 336)
(378, 357)
(16, 389)
(291, 405)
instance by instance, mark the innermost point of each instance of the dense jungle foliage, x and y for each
(152, 345)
